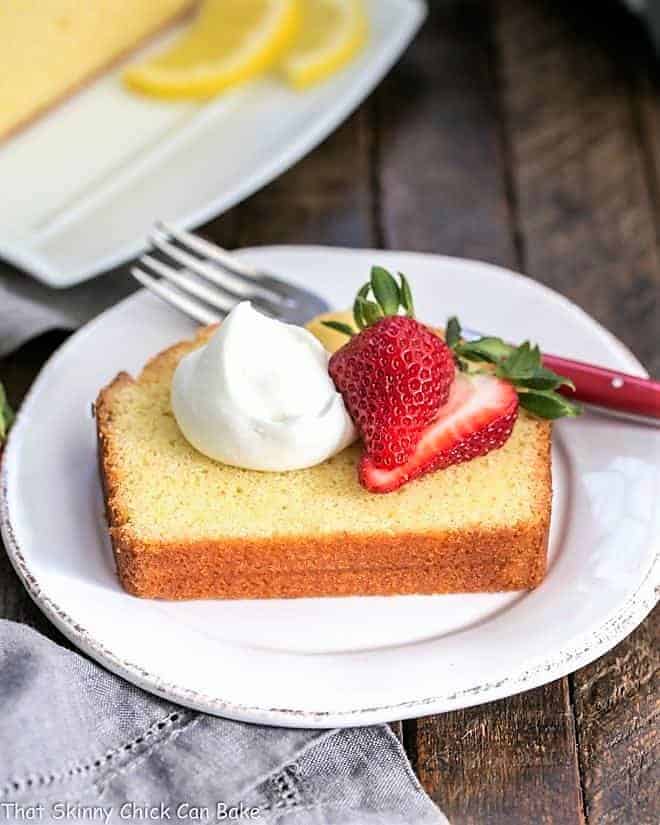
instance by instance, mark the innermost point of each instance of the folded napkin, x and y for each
(80, 744)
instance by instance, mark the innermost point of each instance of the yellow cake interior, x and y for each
(171, 492)
(48, 48)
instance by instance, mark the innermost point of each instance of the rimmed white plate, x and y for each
(82, 186)
(327, 662)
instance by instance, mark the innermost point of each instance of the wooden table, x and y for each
(526, 133)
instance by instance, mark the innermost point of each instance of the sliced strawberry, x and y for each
(477, 418)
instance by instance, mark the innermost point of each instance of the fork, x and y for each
(205, 282)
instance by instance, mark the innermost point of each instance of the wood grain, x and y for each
(585, 203)
(512, 761)
(581, 198)
(324, 199)
(617, 702)
(441, 181)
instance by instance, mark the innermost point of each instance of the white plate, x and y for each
(82, 187)
(327, 662)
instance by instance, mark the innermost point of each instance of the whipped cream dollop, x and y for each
(259, 396)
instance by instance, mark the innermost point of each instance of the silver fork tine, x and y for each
(189, 306)
(199, 278)
(206, 270)
(189, 283)
(236, 288)
(215, 253)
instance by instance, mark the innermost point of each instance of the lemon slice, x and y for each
(228, 43)
(332, 33)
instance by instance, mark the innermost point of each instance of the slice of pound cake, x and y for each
(186, 526)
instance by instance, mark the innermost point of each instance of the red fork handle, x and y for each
(611, 389)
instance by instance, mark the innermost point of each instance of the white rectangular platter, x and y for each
(82, 186)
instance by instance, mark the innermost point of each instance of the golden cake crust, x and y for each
(470, 559)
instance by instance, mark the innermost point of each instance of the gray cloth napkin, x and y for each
(28, 308)
(78, 744)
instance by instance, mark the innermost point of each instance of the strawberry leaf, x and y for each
(390, 297)
(492, 350)
(521, 363)
(521, 366)
(6, 415)
(548, 404)
(358, 316)
(406, 296)
(452, 332)
(385, 290)
(545, 379)
(339, 327)
(370, 311)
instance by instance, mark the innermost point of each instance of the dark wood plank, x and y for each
(441, 168)
(586, 207)
(511, 761)
(443, 186)
(617, 702)
(647, 100)
(580, 189)
(324, 199)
